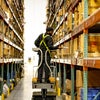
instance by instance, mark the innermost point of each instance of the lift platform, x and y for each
(43, 91)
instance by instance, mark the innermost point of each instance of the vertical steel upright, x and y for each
(64, 78)
(2, 64)
(64, 67)
(12, 72)
(72, 71)
(59, 90)
(1, 78)
(72, 82)
(8, 74)
(85, 72)
(56, 69)
(17, 70)
(72, 64)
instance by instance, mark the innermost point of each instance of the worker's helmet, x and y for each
(49, 29)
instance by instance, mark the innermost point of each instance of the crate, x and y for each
(61, 33)
(76, 17)
(93, 80)
(60, 13)
(66, 49)
(78, 90)
(1, 49)
(79, 78)
(75, 44)
(93, 45)
(92, 92)
(0, 2)
(68, 2)
(6, 50)
(80, 10)
(4, 6)
(11, 51)
(1, 25)
(58, 53)
(63, 8)
(93, 6)
(57, 3)
(69, 21)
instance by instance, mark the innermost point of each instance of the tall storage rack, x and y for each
(11, 39)
(76, 31)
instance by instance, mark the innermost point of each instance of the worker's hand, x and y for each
(59, 48)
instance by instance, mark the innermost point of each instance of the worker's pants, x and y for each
(44, 69)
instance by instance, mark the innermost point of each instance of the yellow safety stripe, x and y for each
(43, 37)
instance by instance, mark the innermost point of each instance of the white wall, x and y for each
(35, 15)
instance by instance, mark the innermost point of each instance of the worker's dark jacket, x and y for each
(49, 42)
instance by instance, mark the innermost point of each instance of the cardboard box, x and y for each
(94, 45)
(75, 46)
(76, 17)
(81, 42)
(93, 6)
(1, 49)
(80, 10)
(78, 90)
(68, 85)
(79, 78)
(66, 96)
(93, 78)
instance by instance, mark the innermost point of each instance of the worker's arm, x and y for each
(50, 43)
(38, 40)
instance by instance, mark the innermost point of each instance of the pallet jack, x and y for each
(44, 91)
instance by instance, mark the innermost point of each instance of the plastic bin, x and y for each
(92, 92)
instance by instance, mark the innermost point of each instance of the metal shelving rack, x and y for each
(89, 22)
(12, 58)
(85, 32)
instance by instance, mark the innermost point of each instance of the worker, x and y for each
(45, 42)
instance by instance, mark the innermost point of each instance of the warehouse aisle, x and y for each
(23, 90)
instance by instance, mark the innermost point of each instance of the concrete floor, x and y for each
(23, 90)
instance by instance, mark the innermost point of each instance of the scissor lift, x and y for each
(44, 91)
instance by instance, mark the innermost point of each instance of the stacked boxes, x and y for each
(93, 45)
(80, 10)
(6, 50)
(1, 49)
(69, 22)
(65, 50)
(76, 17)
(93, 83)
(93, 6)
(79, 83)
(9, 26)
(75, 11)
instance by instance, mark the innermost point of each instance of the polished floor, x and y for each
(23, 90)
